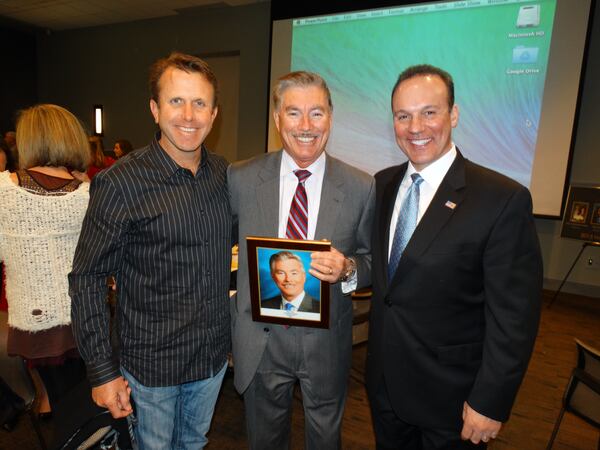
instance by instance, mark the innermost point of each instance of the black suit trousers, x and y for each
(393, 433)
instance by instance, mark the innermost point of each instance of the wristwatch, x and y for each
(351, 271)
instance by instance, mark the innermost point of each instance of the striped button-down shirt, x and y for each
(165, 235)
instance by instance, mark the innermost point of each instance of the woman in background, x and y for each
(99, 160)
(6, 157)
(43, 205)
(122, 147)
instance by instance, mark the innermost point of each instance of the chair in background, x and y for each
(582, 396)
(15, 373)
(361, 307)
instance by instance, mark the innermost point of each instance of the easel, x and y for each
(585, 244)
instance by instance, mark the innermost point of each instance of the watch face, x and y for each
(351, 270)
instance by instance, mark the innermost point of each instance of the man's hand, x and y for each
(328, 266)
(114, 395)
(477, 427)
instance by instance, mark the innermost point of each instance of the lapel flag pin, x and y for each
(450, 204)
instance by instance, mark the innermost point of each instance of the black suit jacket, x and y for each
(458, 320)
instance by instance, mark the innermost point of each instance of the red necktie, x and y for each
(297, 226)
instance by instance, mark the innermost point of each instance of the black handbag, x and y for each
(81, 424)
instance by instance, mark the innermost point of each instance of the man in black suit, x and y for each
(456, 303)
(289, 275)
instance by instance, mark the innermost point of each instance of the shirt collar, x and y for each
(435, 172)
(165, 164)
(288, 165)
(295, 301)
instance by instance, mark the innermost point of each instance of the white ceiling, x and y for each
(68, 14)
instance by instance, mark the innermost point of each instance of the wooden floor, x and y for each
(529, 428)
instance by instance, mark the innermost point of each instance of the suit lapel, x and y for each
(267, 194)
(332, 197)
(388, 199)
(440, 210)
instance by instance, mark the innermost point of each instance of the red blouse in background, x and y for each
(93, 170)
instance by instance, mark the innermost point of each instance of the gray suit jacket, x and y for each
(345, 218)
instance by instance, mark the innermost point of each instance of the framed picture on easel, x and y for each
(581, 220)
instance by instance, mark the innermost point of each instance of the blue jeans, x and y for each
(174, 417)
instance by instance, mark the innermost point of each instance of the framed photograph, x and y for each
(596, 215)
(581, 219)
(281, 288)
(579, 212)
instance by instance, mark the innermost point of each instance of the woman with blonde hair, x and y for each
(43, 205)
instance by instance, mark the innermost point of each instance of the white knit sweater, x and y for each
(38, 235)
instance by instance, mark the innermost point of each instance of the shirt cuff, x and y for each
(350, 284)
(102, 372)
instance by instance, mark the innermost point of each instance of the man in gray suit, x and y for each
(289, 276)
(304, 193)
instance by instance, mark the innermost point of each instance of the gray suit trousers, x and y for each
(268, 399)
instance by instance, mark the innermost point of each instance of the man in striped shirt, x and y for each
(159, 222)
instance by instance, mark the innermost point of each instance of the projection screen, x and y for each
(516, 65)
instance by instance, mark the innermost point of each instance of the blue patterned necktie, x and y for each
(407, 222)
(289, 310)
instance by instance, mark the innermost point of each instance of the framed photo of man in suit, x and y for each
(281, 288)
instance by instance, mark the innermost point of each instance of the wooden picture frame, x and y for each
(269, 293)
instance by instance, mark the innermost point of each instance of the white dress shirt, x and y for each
(295, 302)
(432, 176)
(288, 181)
(287, 189)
